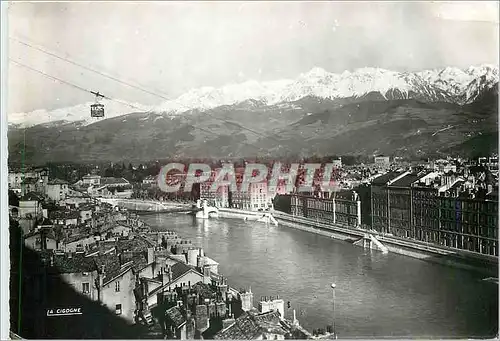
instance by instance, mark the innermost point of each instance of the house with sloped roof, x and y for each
(106, 186)
(117, 284)
(30, 205)
(57, 189)
(65, 217)
(80, 241)
(119, 271)
(78, 271)
(179, 275)
(42, 239)
(176, 323)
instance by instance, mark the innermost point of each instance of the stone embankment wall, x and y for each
(429, 252)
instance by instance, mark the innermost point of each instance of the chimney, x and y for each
(51, 260)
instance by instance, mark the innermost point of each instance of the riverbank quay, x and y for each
(234, 213)
(147, 206)
(484, 264)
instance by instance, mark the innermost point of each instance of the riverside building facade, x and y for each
(342, 208)
(437, 208)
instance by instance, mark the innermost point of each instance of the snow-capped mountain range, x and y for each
(450, 84)
(77, 113)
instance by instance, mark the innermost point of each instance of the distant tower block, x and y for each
(246, 298)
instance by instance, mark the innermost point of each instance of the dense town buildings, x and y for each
(104, 255)
(159, 280)
(449, 203)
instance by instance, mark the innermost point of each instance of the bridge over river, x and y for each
(152, 206)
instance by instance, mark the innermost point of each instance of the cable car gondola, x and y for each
(97, 109)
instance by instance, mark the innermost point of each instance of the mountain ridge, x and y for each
(310, 125)
(450, 84)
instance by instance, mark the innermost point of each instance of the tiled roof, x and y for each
(139, 261)
(113, 181)
(112, 267)
(64, 214)
(136, 244)
(58, 182)
(175, 316)
(76, 237)
(88, 176)
(250, 326)
(75, 263)
(49, 233)
(178, 258)
(179, 269)
(30, 181)
(383, 179)
(32, 196)
(406, 180)
(204, 290)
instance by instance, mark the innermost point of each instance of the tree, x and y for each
(108, 172)
(13, 199)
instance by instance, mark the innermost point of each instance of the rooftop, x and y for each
(30, 181)
(49, 233)
(58, 182)
(64, 214)
(31, 196)
(114, 181)
(175, 316)
(91, 176)
(137, 244)
(250, 326)
(407, 180)
(76, 237)
(74, 263)
(179, 269)
(383, 179)
(204, 290)
(112, 266)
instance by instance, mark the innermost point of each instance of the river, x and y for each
(377, 295)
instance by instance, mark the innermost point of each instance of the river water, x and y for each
(377, 295)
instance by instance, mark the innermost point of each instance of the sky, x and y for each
(172, 47)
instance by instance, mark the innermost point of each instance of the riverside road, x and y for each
(377, 294)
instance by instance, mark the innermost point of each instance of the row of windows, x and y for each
(474, 244)
(481, 206)
(327, 217)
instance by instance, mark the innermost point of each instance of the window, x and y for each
(117, 286)
(86, 288)
(118, 309)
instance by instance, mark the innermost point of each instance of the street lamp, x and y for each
(333, 291)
